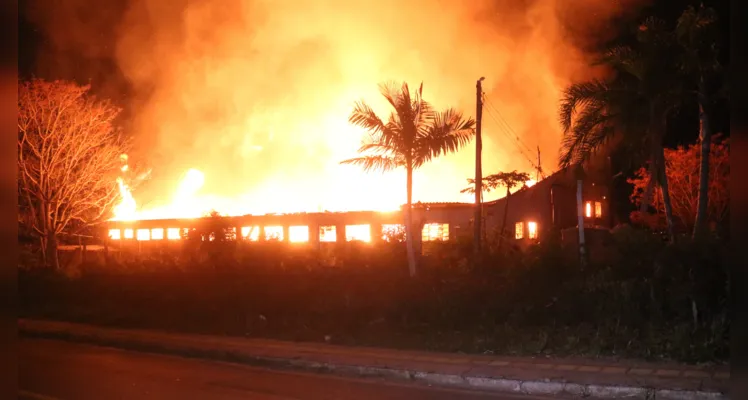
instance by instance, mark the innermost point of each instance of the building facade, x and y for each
(551, 204)
(531, 213)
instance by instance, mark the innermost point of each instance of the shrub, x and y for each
(638, 303)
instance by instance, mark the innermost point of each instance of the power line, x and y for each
(513, 136)
(501, 116)
(505, 132)
(521, 151)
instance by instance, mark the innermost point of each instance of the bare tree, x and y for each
(68, 160)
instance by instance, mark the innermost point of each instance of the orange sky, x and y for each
(256, 94)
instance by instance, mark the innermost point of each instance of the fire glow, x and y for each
(245, 103)
(296, 233)
(187, 202)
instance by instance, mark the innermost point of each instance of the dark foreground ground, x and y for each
(52, 370)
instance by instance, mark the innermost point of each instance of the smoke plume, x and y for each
(256, 93)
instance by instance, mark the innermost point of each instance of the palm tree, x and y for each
(633, 105)
(507, 179)
(413, 135)
(695, 34)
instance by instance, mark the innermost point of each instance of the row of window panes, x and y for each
(296, 233)
(532, 230)
(145, 234)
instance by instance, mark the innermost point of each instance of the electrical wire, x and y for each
(505, 131)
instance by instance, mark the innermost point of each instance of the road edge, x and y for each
(500, 385)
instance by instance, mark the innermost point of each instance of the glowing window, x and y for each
(532, 230)
(328, 233)
(274, 233)
(588, 209)
(298, 234)
(172, 234)
(432, 232)
(393, 232)
(358, 232)
(519, 231)
(143, 234)
(157, 233)
(251, 233)
(129, 234)
(231, 233)
(598, 209)
(114, 234)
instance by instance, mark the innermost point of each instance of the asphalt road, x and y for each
(54, 370)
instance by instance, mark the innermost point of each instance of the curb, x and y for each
(494, 384)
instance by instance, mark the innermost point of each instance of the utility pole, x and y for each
(579, 174)
(477, 234)
(537, 176)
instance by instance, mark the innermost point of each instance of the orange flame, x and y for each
(256, 94)
(188, 202)
(126, 209)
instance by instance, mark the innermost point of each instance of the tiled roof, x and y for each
(441, 204)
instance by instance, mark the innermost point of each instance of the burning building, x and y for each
(532, 212)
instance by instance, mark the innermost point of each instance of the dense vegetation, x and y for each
(640, 297)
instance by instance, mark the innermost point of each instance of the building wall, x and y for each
(550, 204)
(457, 216)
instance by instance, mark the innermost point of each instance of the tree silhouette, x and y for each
(507, 179)
(634, 104)
(696, 37)
(413, 135)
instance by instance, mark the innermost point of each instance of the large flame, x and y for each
(188, 202)
(126, 210)
(256, 94)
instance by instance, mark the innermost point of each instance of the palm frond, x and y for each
(625, 59)
(391, 92)
(374, 163)
(423, 114)
(393, 135)
(591, 131)
(693, 22)
(365, 117)
(653, 31)
(411, 112)
(377, 148)
(575, 145)
(423, 118)
(448, 133)
(399, 98)
(580, 95)
(575, 140)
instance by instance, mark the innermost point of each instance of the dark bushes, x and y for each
(646, 300)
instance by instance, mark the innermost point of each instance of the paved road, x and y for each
(53, 370)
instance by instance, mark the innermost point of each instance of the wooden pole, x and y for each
(478, 217)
